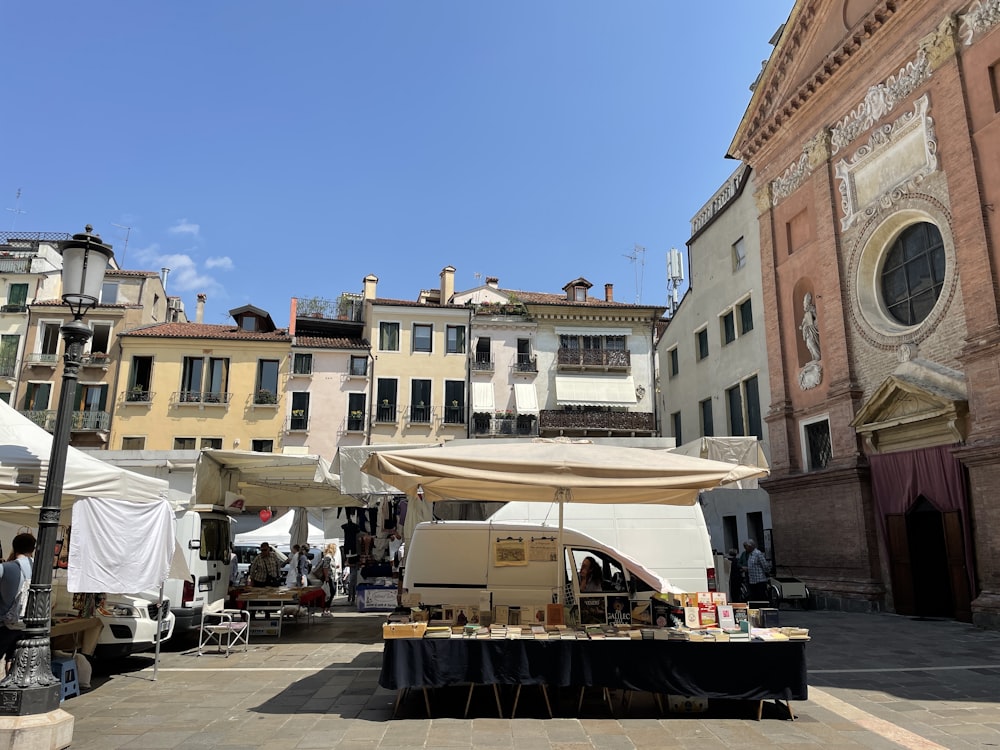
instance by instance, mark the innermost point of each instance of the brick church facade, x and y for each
(874, 137)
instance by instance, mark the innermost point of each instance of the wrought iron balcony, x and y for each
(482, 363)
(386, 413)
(526, 364)
(594, 359)
(12, 308)
(38, 358)
(355, 421)
(454, 415)
(210, 398)
(421, 414)
(523, 425)
(44, 418)
(95, 360)
(298, 422)
(91, 421)
(138, 395)
(592, 422)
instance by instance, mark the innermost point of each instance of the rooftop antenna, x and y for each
(128, 231)
(675, 275)
(17, 210)
(638, 258)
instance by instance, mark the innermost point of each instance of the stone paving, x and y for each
(875, 681)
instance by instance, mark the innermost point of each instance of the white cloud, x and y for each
(224, 263)
(183, 226)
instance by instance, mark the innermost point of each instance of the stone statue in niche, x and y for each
(812, 374)
(810, 333)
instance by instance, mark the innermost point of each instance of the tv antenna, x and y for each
(128, 231)
(17, 210)
(638, 258)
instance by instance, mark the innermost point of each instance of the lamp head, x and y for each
(85, 260)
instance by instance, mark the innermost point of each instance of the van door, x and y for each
(212, 576)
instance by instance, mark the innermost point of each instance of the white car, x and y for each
(130, 621)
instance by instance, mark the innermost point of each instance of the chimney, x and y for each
(493, 281)
(370, 281)
(291, 316)
(447, 284)
(163, 275)
(609, 293)
(199, 310)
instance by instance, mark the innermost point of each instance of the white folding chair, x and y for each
(226, 628)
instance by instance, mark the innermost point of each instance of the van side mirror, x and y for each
(194, 544)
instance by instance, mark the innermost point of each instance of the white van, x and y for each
(204, 535)
(451, 562)
(130, 620)
(671, 540)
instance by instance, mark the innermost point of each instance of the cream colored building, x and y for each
(419, 366)
(129, 299)
(186, 386)
(713, 377)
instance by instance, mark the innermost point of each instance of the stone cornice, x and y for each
(765, 120)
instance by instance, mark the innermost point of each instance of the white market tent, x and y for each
(263, 479)
(278, 531)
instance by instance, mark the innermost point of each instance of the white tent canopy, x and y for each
(279, 530)
(24, 463)
(287, 480)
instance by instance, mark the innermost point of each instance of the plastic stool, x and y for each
(65, 670)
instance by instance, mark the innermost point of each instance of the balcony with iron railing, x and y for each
(604, 360)
(139, 395)
(522, 425)
(501, 310)
(482, 363)
(41, 359)
(386, 413)
(525, 364)
(12, 307)
(355, 421)
(82, 421)
(422, 414)
(298, 422)
(202, 398)
(624, 423)
(95, 360)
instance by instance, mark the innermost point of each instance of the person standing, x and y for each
(303, 565)
(292, 576)
(13, 593)
(264, 570)
(757, 570)
(735, 577)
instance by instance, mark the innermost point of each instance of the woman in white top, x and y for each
(292, 577)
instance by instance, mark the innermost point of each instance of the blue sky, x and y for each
(265, 150)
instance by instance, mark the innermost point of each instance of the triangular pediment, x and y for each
(819, 36)
(921, 403)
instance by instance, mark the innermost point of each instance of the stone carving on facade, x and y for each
(789, 182)
(981, 16)
(880, 101)
(940, 44)
(893, 162)
(812, 374)
(762, 199)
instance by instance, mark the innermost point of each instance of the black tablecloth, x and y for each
(748, 671)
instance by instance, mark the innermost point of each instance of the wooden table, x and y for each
(266, 605)
(76, 634)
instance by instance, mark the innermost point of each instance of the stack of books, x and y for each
(438, 631)
(796, 634)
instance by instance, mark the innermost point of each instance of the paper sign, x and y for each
(507, 552)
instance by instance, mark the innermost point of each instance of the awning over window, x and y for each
(482, 397)
(595, 390)
(525, 398)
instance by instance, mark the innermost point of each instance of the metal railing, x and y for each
(44, 418)
(386, 413)
(596, 358)
(298, 423)
(12, 308)
(482, 363)
(212, 398)
(91, 420)
(521, 426)
(614, 421)
(525, 363)
(454, 415)
(355, 422)
(139, 396)
(421, 414)
(37, 358)
(92, 360)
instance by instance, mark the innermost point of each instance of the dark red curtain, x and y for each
(898, 479)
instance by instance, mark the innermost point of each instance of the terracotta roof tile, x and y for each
(206, 331)
(330, 342)
(130, 272)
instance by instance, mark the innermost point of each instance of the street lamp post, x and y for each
(30, 687)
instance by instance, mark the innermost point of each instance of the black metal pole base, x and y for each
(30, 700)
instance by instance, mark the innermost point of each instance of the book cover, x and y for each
(500, 614)
(642, 614)
(555, 614)
(691, 619)
(619, 611)
(593, 610)
(727, 620)
(660, 613)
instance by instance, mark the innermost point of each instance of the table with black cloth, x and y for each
(755, 671)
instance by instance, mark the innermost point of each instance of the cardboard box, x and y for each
(403, 630)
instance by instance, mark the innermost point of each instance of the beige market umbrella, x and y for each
(562, 471)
